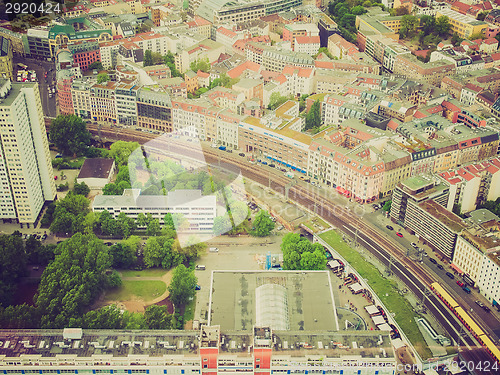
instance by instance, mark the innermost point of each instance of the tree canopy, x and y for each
(12, 265)
(202, 64)
(263, 224)
(70, 135)
(69, 214)
(96, 65)
(313, 117)
(103, 77)
(183, 285)
(300, 254)
(73, 280)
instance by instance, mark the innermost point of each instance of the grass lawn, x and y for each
(146, 290)
(189, 310)
(151, 272)
(385, 289)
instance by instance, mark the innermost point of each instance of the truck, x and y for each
(289, 174)
(222, 148)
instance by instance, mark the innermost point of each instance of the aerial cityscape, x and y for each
(250, 186)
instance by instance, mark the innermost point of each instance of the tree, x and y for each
(121, 151)
(12, 265)
(263, 224)
(427, 24)
(126, 224)
(148, 58)
(300, 254)
(409, 25)
(113, 280)
(358, 10)
(169, 59)
(70, 135)
(183, 285)
(107, 317)
(157, 317)
(203, 65)
(456, 40)
(123, 255)
(103, 77)
(69, 214)
(443, 26)
(96, 65)
(81, 189)
(73, 280)
(387, 206)
(313, 117)
(276, 100)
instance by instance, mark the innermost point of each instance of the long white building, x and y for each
(26, 177)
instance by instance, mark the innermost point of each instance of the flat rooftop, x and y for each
(308, 299)
(48, 343)
(449, 219)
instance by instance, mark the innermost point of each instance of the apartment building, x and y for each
(15, 39)
(275, 60)
(126, 107)
(154, 110)
(225, 98)
(199, 51)
(433, 73)
(227, 123)
(277, 137)
(293, 30)
(27, 180)
(251, 88)
(474, 245)
(103, 102)
(418, 204)
(38, 46)
(80, 93)
(489, 276)
(400, 110)
(307, 44)
(218, 12)
(6, 69)
(474, 184)
(465, 26)
(85, 53)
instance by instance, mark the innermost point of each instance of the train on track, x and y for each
(467, 321)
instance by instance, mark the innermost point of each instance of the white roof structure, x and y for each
(372, 309)
(384, 327)
(356, 287)
(271, 307)
(378, 320)
(333, 263)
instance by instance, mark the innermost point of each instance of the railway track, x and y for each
(413, 275)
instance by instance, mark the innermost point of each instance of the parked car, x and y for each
(197, 287)
(272, 165)
(264, 163)
(200, 267)
(222, 148)
(241, 154)
(399, 235)
(450, 275)
(213, 250)
(229, 150)
(414, 245)
(466, 289)
(389, 227)
(440, 266)
(486, 308)
(480, 304)
(432, 260)
(460, 283)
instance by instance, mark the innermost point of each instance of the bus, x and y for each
(22, 66)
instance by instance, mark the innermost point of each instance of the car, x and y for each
(197, 287)
(389, 227)
(425, 254)
(213, 250)
(399, 234)
(241, 154)
(108, 243)
(272, 165)
(55, 177)
(480, 304)
(460, 283)
(200, 267)
(466, 289)
(432, 260)
(264, 163)
(414, 245)
(229, 150)
(440, 266)
(450, 275)
(486, 308)
(214, 145)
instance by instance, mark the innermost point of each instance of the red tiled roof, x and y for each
(307, 39)
(201, 74)
(490, 41)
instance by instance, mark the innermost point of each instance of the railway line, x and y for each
(412, 274)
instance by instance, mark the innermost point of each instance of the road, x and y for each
(491, 319)
(415, 275)
(40, 67)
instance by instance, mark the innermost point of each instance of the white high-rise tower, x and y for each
(26, 176)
